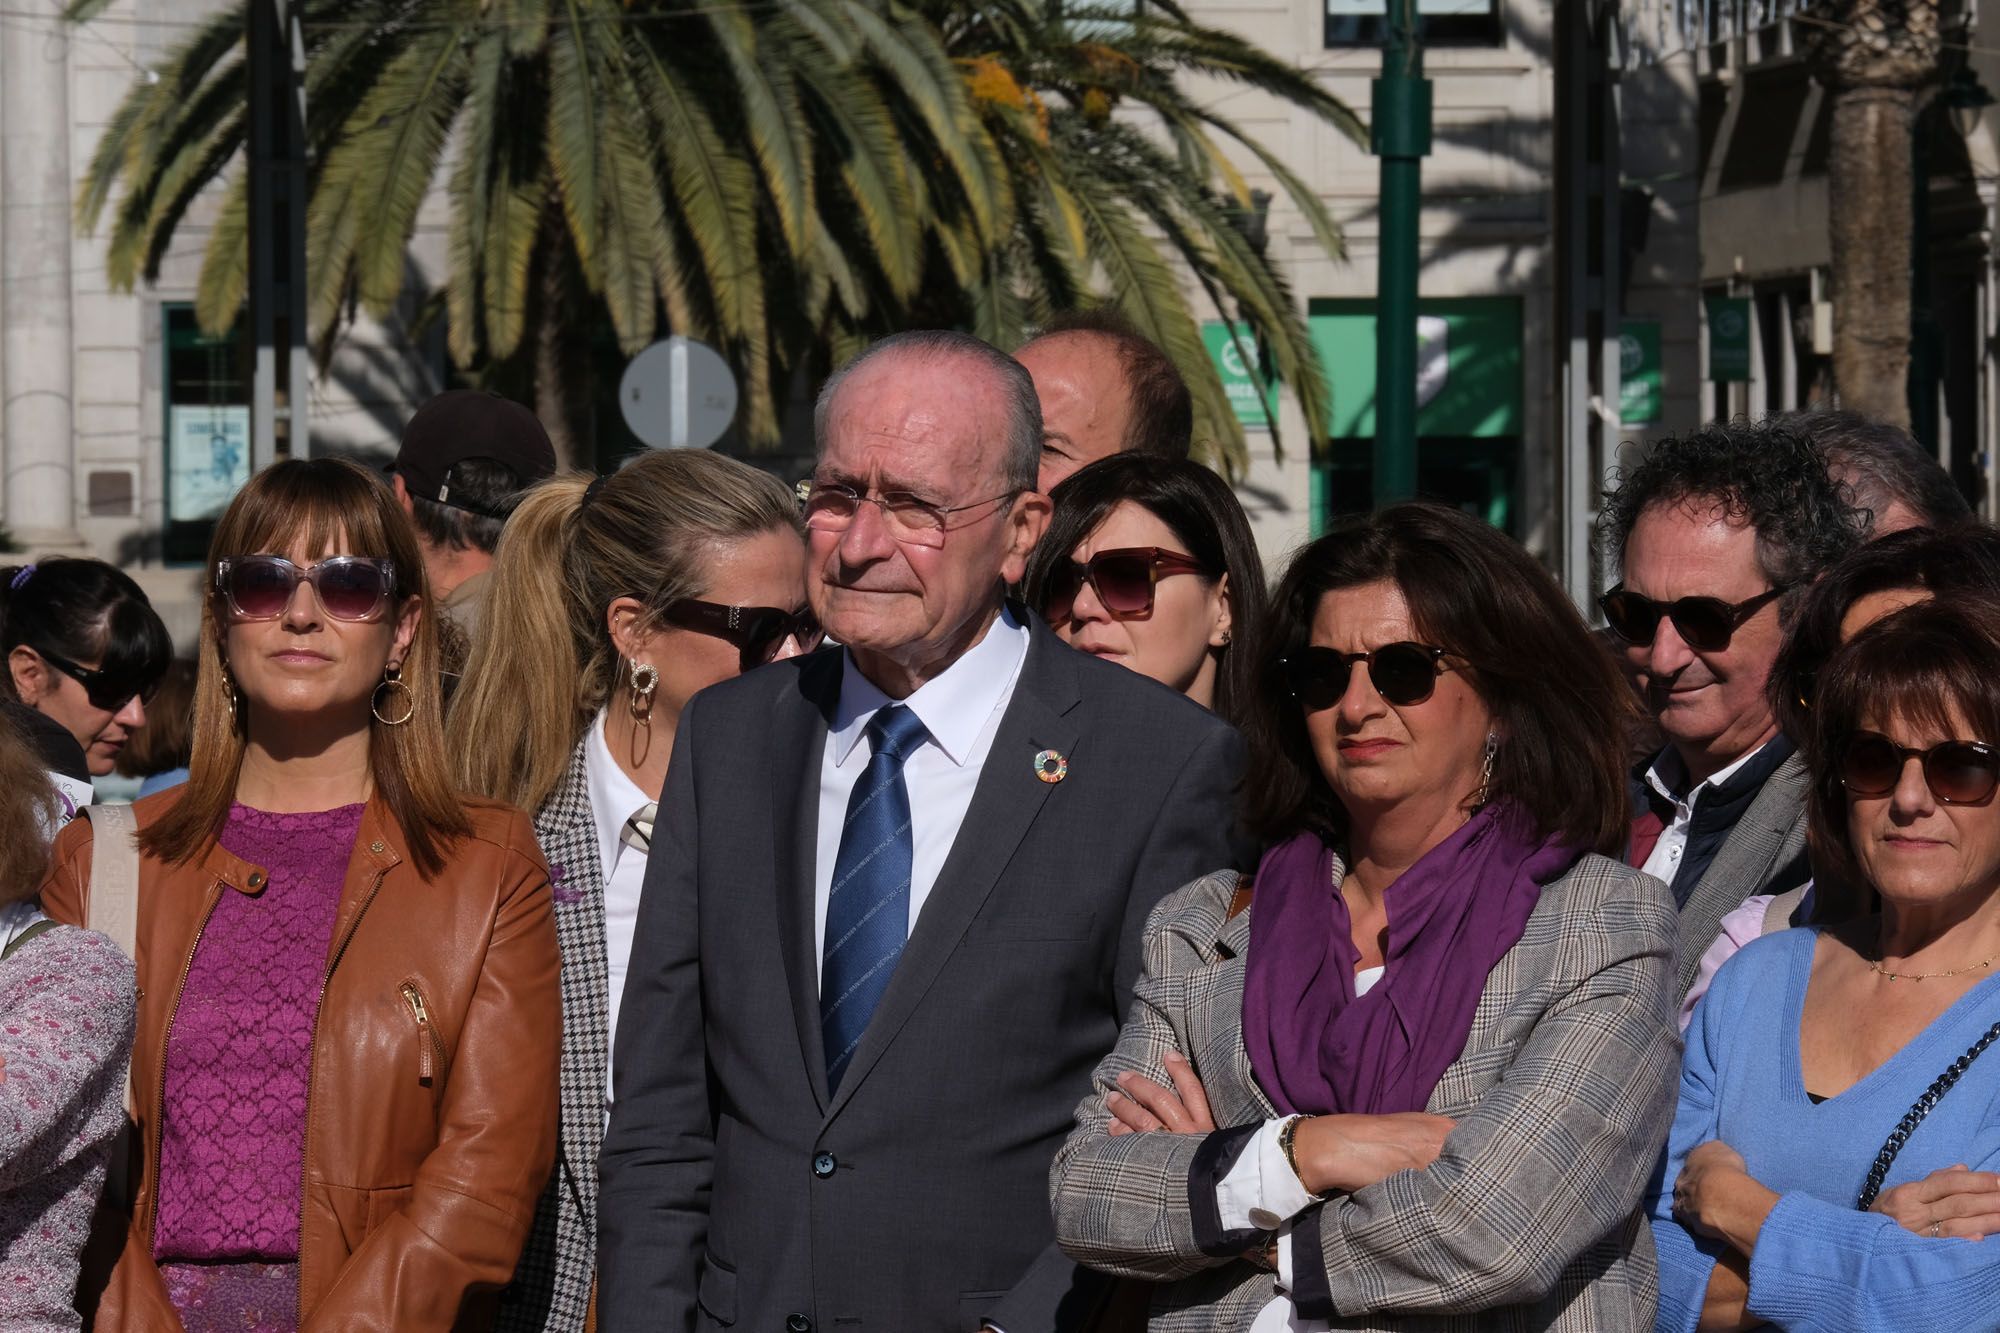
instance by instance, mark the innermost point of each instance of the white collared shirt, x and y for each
(614, 798)
(1664, 774)
(961, 709)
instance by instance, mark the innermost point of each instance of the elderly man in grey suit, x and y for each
(1716, 536)
(893, 911)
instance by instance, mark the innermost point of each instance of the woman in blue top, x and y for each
(1831, 1064)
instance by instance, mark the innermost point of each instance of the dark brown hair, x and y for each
(1556, 699)
(28, 810)
(167, 739)
(1203, 512)
(1929, 666)
(1162, 423)
(319, 501)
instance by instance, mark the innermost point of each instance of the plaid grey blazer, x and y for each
(1530, 1217)
(551, 1286)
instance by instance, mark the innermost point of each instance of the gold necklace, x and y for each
(1875, 965)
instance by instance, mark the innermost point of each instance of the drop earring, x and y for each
(392, 681)
(645, 680)
(1486, 770)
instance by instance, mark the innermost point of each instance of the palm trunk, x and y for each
(562, 365)
(1869, 191)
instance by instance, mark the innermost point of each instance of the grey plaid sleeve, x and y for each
(1555, 1154)
(1122, 1205)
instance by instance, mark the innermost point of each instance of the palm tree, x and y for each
(1874, 56)
(786, 184)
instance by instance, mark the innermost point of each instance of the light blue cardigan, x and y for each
(1819, 1263)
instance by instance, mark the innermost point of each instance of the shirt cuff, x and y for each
(1261, 1191)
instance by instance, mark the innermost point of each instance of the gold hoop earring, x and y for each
(645, 680)
(229, 694)
(392, 680)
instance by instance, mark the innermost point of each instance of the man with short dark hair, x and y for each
(1887, 473)
(1715, 537)
(465, 458)
(1104, 389)
(893, 912)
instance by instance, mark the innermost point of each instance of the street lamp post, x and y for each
(1401, 136)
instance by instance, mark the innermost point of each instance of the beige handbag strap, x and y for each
(1778, 914)
(114, 876)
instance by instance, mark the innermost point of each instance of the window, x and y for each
(208, 429)
(1443, 22)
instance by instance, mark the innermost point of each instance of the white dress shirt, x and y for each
(1263, 1191)
(614, 798)
(961, 709)
(1666, 773)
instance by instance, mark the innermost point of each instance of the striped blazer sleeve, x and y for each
(1556, 1153)
(1121, 1204)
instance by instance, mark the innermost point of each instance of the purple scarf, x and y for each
(1315, 1048)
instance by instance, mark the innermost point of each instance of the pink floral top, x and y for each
(66, 1010)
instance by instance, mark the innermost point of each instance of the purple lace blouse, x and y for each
(239, 1054)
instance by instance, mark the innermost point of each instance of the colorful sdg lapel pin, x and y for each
(1051, 766)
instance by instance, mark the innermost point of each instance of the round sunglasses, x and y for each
(1705, 624)
(1957, 772)
(349, 587)
(1123, 580)
(757, 631)
(1402, 673)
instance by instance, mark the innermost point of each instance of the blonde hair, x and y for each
(320, 501)
(544, 663)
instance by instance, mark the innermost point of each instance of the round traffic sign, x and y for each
(678, 394)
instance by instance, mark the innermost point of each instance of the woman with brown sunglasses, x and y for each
(1420, 1062)
(612, 602)
(1149, 562)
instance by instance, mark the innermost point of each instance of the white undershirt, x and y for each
(1261, 1190)
(1666, 773)
(961, 709)
(614, 798)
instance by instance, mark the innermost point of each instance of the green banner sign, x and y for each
(1729, 338)
(1639, 372)
(1469, 374)
(1252, 399)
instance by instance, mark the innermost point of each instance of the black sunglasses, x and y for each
(107, 690)
(1705, 623)
(1402, 673)
(757, 631)
(1958, 772)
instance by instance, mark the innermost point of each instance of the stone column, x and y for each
(36, 339)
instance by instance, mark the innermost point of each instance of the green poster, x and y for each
(1249, 396)
(1639, 372)
(1729, 338)
(1469, 374)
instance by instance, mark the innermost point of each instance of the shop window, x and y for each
(207, 429)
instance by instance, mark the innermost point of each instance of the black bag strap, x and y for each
(1913, 1117)
(40, 928)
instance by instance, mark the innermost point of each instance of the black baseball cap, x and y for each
(461, 424)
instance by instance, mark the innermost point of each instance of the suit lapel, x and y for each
(566, 829)
(799, 743)
(1004, 804)
(1745, 861)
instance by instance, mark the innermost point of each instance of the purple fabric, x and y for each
(1318, 1050)
(232, 1144)
(234, 1297)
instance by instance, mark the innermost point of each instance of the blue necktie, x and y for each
(868, 905)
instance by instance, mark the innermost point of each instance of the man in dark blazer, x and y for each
(893, 910)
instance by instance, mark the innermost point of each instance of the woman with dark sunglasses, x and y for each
(1149, 562)
(1835, 1142)
(612, 602)
(344, 1073)
(1420, 1062)
(83, 647)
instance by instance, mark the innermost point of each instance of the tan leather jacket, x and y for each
(431, 1108)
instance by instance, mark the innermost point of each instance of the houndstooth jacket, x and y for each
(551, 1287)
(1529, 1219)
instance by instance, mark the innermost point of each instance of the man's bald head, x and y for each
(1104, 390)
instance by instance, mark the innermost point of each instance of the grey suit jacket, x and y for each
(551, 1286)
(1530, 1217)
(1764, 853)
(735, 1190)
